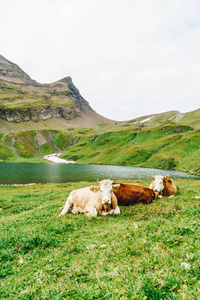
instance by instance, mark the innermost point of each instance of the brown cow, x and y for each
(130, 194)
(163, 186)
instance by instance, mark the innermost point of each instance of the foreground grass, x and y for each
(136, 255)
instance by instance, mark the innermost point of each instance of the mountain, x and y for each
(13, 73)
(22, 100)
(38, 119)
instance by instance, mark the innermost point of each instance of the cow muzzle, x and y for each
(106, 202)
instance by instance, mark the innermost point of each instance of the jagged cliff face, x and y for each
(13, 73)
(23, 99)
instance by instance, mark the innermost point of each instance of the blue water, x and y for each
(23, 173)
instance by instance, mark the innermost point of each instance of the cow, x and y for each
(130, 194)
(163, 186)
(93, 200)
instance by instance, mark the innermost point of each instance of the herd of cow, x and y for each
(106, 198)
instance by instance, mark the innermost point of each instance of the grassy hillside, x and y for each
(169, 146)
(32, 145)
(136, 255)
(23, 96)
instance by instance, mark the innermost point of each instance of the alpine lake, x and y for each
(26, 173)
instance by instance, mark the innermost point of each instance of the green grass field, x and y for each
(136, 255)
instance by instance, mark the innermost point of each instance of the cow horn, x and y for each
(113, 180)
(98, 180)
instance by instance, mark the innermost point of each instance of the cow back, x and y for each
(131, 194)
(84, 196)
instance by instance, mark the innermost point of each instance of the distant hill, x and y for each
(191, 118)
(24, 100)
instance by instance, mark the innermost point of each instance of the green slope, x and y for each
(169, 146)
(155, 144)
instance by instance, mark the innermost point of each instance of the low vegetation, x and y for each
(137, 255)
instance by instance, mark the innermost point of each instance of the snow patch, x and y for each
(146, 120)
(54, 158)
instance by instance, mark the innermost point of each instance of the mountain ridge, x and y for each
(23, 99)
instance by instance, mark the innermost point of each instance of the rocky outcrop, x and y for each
(42, 113)
(12, 72)
(23, 99)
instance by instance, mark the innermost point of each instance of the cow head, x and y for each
(158, 184)
(106, 188)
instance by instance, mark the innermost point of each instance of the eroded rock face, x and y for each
(23, 99)
(10, 71)
(43, 113)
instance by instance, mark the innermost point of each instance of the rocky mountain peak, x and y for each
(23, 99)
(66, 79)
(13, 73)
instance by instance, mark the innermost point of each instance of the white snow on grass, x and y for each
(146, 120)
(54, 158)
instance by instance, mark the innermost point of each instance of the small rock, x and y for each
(92, 246)
(102, 246)
(186, 265)
(21, 260)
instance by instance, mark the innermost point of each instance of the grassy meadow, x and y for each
(136, 255)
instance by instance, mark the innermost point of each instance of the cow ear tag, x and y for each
(116, 186)
(94, 189)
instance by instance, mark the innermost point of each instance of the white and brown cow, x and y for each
(93, 200)
(163, 186)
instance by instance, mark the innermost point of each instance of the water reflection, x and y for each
(21, 173)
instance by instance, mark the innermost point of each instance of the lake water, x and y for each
(24, 173)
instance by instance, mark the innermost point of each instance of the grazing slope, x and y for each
(168, 146)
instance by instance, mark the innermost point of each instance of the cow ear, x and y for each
(94, 188)
(116, 186)
(165, 178)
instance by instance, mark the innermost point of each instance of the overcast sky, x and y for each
(128, 58)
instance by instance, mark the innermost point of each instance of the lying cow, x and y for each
(130, 194)
(163, 186)
(93, 200)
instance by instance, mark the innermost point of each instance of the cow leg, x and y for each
(91, 211)
(115, 211)
(75, 210)
(69, 203)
